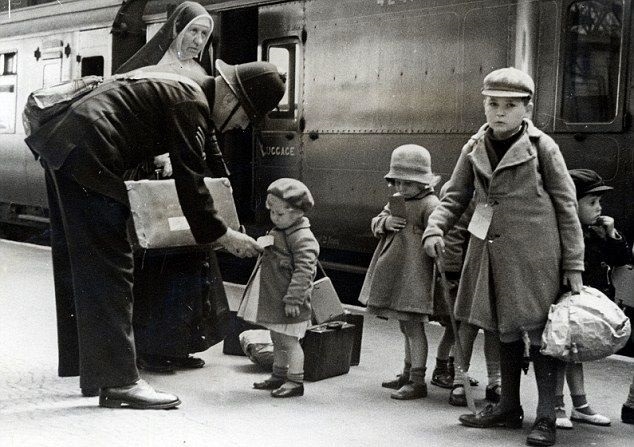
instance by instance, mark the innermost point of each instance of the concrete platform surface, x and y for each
(219, 408)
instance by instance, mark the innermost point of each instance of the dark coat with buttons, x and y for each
(511, 278)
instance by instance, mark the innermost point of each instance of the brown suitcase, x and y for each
(327, 350)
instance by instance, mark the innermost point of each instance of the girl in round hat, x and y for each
(398, 282)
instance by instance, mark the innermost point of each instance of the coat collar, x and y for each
(520, 152)
(301, 223)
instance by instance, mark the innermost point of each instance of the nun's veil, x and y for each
(152, 52)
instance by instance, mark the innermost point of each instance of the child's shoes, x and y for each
(397, 383)
(562, 421)
(410, 391)
(272, 383)
(586, 415)
(293, 389)
(443, 373)
(457, 396)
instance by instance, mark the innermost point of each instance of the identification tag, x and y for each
(481, 220)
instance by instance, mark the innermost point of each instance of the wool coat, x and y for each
(288, 268)
(399, 277)
(511, 278)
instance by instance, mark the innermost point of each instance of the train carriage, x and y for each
(364, 76)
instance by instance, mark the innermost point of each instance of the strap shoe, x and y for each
(291, 391)
(410, 391)
(139, 395)
(272, 383)
(396, 383)
(592, 419)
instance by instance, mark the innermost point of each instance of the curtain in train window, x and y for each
(593, 39)
(8, 81)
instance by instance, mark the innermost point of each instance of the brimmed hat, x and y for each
(508, 83)
(293, 192)
(258, 86)
(588, 182)
(411, 162)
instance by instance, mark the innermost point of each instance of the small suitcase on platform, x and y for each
(327, 350)
(231, 344)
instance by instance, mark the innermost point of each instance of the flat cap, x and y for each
(509, 83)
(293, 192)
(588, 182)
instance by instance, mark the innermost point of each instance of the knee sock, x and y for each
(280, 371)
(546, 377)
(492, 358)
(510, 369)
(407, 366)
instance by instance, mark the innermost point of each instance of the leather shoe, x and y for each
(410, 391)
(457, 399)
(396, 383)
(296, 390)
(89, 391)
(492, 416)
(188, 362)
(272, 383)
(139, 395)
(154, 363)
(544, 432)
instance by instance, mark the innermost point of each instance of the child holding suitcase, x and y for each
(399, 278)
(278, 293)
(526, 242)
(605, 249)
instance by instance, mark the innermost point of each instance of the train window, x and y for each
(8, 81)
(592, 64)
(283, 54)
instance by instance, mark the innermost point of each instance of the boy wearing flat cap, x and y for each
(604, 250)
(278, 293)
(526, 243)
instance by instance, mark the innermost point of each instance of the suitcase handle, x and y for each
(335, 325)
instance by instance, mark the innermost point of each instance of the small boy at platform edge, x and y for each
(526, 243)
(279, 290)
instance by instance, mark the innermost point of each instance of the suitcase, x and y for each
(327, 350)
(231, 344)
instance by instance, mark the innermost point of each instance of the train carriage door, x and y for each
(93, 52)
(278, 149)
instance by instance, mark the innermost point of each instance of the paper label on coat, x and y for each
(265, 241)
(481, 220)
(178, 223)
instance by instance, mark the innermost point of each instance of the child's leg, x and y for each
(442, 375)
(492, 359)
(627, 411)
(467, 334)
(402, 378)
(414, 332)
(294, 384)
(546, 369)
(562, 420)
(581, 411)
(280, 366)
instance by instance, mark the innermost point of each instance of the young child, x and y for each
(399, 278)
(278, 294)
(604, 249)
(526, 242)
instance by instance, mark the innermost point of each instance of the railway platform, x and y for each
(219, 408)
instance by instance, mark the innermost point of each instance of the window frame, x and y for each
(618, 122)
(292, 44)
(14, 75)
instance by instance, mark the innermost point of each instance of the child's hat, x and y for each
(508, 83)
(293, 192)
(411, 162)
(588, 182)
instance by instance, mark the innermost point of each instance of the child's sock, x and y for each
(546, 377)
(280, 371)
(510, 369)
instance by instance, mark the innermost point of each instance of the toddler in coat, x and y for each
(278, 293)
(399, 278)
(526, 242)
(605, 249)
